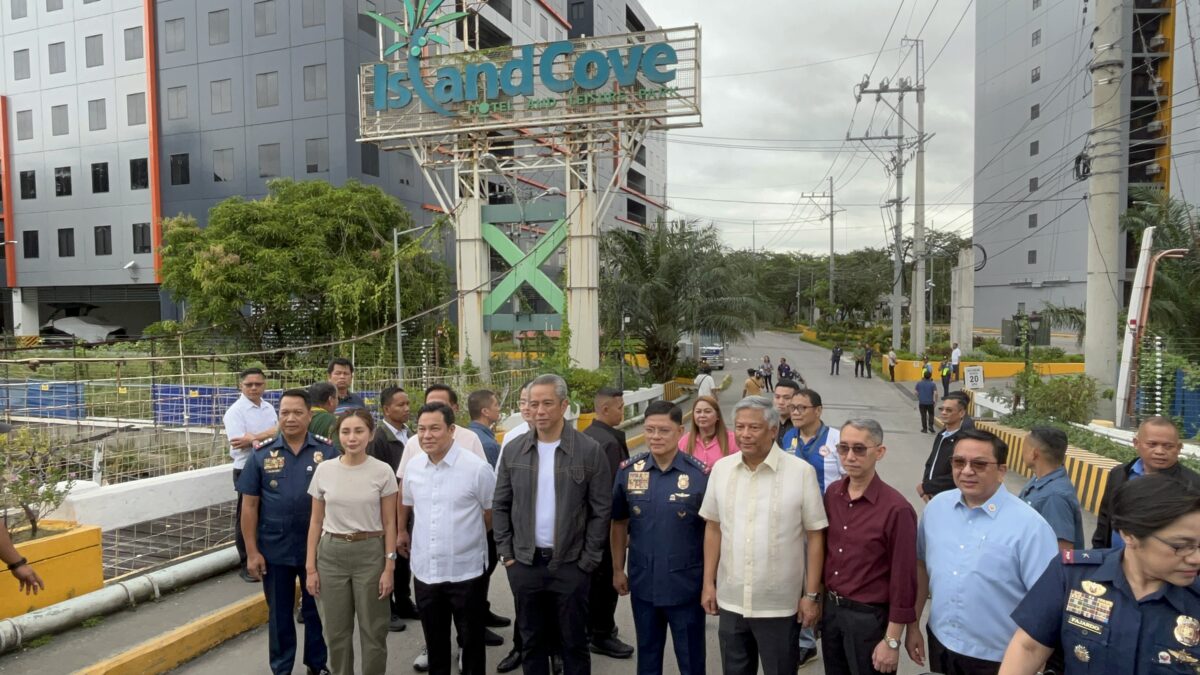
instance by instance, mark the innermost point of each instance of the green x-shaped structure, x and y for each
(526, 267)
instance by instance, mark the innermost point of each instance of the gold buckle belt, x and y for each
(354, 536)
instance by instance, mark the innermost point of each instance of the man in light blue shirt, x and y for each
(979, 551)
(1050, 491)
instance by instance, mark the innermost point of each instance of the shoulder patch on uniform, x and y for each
(1082, 557)
(697, 462)
(322, 439)
(631, 460)
(259, 445)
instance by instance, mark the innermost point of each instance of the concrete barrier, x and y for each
(115, 506)
(910, 371)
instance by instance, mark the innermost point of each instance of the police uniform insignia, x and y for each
(637, 510)
(1093, 588)
(1164, 657)
(681, 514)
(274, 483)
(318, 457)
(639, 465)
(1182, 656)
(1089, 606)
(322, 439)
(1187, 631)
(273, 464)
(683, 482)
(625, 463)
(1082, 654)
(638, 481)
(258, 444)
(1068, 557)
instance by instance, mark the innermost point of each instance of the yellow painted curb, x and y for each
(167, 651)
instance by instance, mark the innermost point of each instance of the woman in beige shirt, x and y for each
(352, 547)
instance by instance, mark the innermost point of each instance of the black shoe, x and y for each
(396, 625)
(491, 638)
(406, 610)
(299, 616)
(612, 647)
(494, 620)
(323, 671)
(556, 665)
(509, 663)
(245, 575)
(807, 654)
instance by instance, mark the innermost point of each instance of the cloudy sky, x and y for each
(803, 111)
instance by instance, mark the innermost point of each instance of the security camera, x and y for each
(132, 264)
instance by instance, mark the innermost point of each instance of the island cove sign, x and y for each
(652, 75)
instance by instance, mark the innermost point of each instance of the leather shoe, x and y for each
(807, 654)
(494, 620)
(491, 638)
(299, 616)
(323, 671)
(611, 646)
(396, 625)
(509, 663)
(245, 575)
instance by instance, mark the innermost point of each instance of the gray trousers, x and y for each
(349, 572)
(746, 642)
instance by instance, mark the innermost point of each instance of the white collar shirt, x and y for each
(245, 417)
(449, 541)
(765, 514)
(401, 434)
(463, 437)
(514, 433)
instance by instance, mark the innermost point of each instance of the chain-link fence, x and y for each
(1168, 381)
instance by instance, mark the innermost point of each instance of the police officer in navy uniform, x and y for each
(656, 510)
(275, 514)
(1130, 611)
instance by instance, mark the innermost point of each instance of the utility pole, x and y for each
(917, 309)
(1104, 193)
(826, 195)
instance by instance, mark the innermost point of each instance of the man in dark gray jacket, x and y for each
(550, 520)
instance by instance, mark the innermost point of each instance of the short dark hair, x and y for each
(605, 393)
(791, 384)
(360, 414)
(446, 411)
(1051, 441)
(339, 361)
(751, 372)
(478, 400)
(926, 375)
(297, 393)
(999, 447)
(665, 408)
(1144, 506)
(964, 401)
(251, 371)
(385, 396)
(442, 386)
(320, 392)
(813, 397)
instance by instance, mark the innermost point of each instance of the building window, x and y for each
(312, 13)
(139, 174)
(1033, 184)
(543, 27)
(21, 64)
(59, 125)
(218, 27)
(223, 165)
(1032, 220)
(24, 125)
(28, 185)
(314, 82)
(133, 43)
(142, 242)
(103, 236)
(370, 159)
(58, 57)
(100, 177)
(53, 5)
(30, 240)
(1031, 257)
(62, 181)
(136, 108)
(1035, 74)
(20, 9)
(1035, 111)
(177, 103)
(97, 115)
(175, 37)
(1034, 147)
(181, 173)
(93, 47)
(66, 242)
(1037, 4)
(221, 92)
(576, 11)
(266, 89)
(264, 18)
(268, 160)
(527, 13)
(367, 25)
(316, 155)
(1037, 37)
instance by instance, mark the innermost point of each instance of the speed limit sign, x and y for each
(973, 377)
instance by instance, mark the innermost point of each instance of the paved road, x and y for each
(844, 397)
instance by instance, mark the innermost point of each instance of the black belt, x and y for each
(542, 555)
(854, 605)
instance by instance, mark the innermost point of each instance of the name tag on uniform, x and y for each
(639, 481)
(1089, 606)
(273, 464)
(1084, 624)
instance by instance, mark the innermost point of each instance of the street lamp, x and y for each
(929, 285)
(621, 372)
(396, 234)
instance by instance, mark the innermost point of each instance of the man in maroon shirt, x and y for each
(870, 560)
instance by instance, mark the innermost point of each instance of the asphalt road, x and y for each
(844, 397)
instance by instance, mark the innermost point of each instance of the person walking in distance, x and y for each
(938, 475)
(352, 547)
(868, 358)
(341, 376)
(656, 523)
(248, 421)
(766, 371)
(926, 400)
(860, 357)
(891, 364)
(551, 516)
(835, 360)
(784, 369)
(945, 371)
(450, 492)
(753, 385)
(956, 360)
(275, 518)
(762, 505)
(705, 384)
(870, 561)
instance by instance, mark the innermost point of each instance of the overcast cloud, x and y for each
(812, 107)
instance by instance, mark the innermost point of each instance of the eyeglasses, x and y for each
(1181, 550)
(801, 408)
(977, 465)
(858, 450)
(949, 409)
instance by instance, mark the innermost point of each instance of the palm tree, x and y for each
(671, 279)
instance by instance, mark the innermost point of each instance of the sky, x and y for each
(803, 110)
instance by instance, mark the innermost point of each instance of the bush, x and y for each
(33, 475)
(687, 368)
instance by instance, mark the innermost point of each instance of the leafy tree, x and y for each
(672, 279)
(33, 474)
(308, 260)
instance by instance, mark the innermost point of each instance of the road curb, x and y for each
(173, 648)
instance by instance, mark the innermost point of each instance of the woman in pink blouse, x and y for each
(708, 440)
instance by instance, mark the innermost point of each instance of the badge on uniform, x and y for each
(639, 481)
(1082, 654)
(1182, 656)
(274, 483)
(639, 465)
(318, 457)
(274, 463)
(637, 510)
(1092, 607)
(1094, 588)
(1187, 631)
(683, 482)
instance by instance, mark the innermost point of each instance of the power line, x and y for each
(793, 67)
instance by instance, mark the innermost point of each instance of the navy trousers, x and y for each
(687, 634)
(279, 585)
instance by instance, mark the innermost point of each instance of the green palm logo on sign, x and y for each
(418, 35)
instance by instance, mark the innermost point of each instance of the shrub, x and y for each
(33, 474)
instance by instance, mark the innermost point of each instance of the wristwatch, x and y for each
(502, 558)
(812, 596)
(392, 555)
(892, 642)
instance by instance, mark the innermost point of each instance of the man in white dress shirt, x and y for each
(249, 420)
(450, 493)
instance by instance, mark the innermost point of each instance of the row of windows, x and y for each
(60, 124)
(139, 179)
(20, 8)
(101, 235)
(1035, 111)
(266, 92)
(312, 13)
(93, 45)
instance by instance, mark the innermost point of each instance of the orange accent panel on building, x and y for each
(557, 17)
(149, 35)
(6, 175)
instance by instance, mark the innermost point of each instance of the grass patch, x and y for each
(39, 642)
(92, 622)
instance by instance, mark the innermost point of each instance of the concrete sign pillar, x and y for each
(962, 300)
(472, 261)
(25, 311)
(583, 279)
